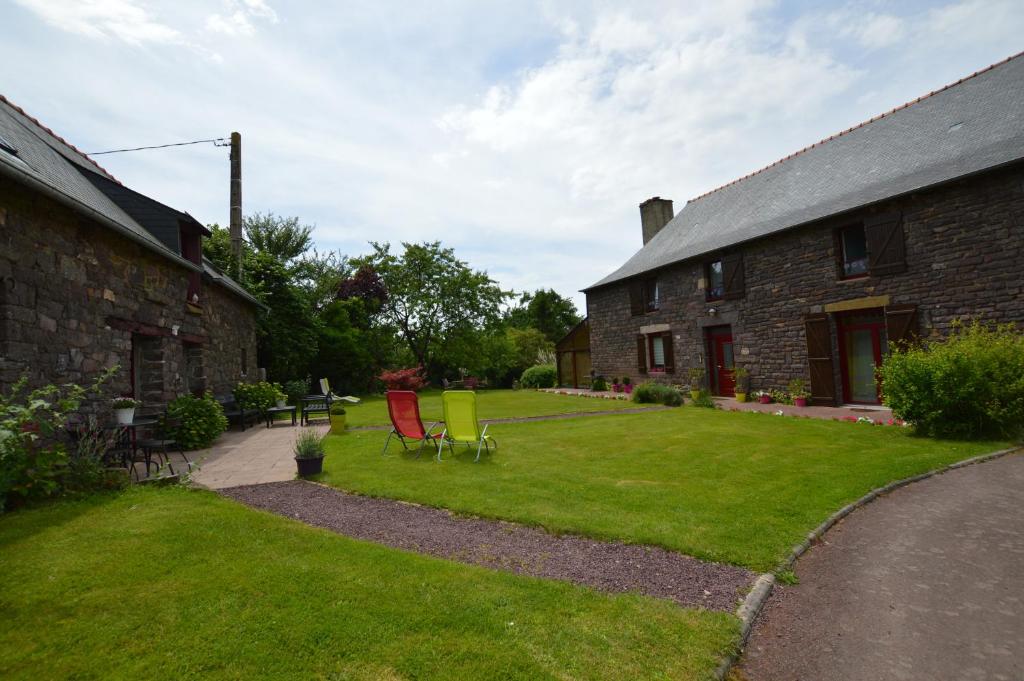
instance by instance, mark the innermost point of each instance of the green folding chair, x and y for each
(461, 425)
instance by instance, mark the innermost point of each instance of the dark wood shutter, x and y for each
(670, 359)
(637, 304)
(901, 325)
(641, 353)
(819, 356)
(886, 248)
(732, 276)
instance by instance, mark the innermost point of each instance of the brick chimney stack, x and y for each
(655, 213)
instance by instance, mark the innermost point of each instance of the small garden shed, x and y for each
(573, 353)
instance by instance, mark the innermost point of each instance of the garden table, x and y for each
(126, 439)
(273, 411)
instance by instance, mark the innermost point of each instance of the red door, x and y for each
(862, 344)
(722, 356)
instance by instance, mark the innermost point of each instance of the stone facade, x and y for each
(77, 297)
(964, 245)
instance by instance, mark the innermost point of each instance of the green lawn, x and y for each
(491, 404)
(172, 584)
(734, 487)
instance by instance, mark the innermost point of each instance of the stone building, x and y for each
(93, 274)
(813, 267)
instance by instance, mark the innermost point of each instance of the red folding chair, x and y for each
(406, 424)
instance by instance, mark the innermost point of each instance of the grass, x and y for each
(740, 488)
(171, 584)
(491, 404)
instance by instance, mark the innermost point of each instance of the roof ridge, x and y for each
(63, 141)
(858, 126)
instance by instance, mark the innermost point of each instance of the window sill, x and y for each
(193, 308)
(854, 277)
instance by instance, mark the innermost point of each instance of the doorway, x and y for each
(862, 344)
(721, 360)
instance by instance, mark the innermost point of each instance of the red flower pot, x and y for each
(800, 401)
(765, 399)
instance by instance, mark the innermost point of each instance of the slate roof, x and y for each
(969, 126)
(46, 162)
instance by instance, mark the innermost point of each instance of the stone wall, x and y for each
(964, 246)
(75, 294)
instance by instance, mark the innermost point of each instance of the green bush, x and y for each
(202, 420)
(968, 385)
(260, 395)
(599, 384)
(296, 390)
(542, 376)
(309, 444)
(650, 392)
(704, 399)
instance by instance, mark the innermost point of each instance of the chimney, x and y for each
(235, 226)
(655, 213)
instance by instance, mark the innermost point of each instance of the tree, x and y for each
(283, 239)
(287, 334)
(546, 311)
(437, 304)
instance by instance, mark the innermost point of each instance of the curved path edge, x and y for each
(752, 605)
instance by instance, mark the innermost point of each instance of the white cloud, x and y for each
(238, 16)
(121, 19)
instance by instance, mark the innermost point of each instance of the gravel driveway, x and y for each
(925, 583)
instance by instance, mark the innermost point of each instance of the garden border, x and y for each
(752, 605)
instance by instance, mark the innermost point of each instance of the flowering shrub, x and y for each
(404, 379)
(201, 420)
(650, 392)
(260, 395)
(970, 384)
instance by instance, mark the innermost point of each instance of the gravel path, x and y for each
(607, 566)
(545, 417)
(923, 583)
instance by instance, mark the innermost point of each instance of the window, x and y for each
(657, 352)
(716, 281)
(654, 353)
(245, 363)
(652, 295)
(853, 247)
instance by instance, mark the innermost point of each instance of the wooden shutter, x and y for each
(641, 353)
(636, 298)
(886, 248)
(733, 278)
(819, 356)
(670, 360)
(901, 324)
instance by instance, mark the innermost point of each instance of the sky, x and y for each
(523, 134)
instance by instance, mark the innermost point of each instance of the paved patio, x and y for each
(249, 457)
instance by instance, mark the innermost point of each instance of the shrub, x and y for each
(309, 444)
(404, 379)
(704, 399)
(86, 469)
(260, 395)
(696, 377)
(541, 376)
(741, 375)
(970, 384)
(201, 419)
(32, 459)
(650, 392)
(599, 384)
(625, 380)
(337, 409)
(797, 388)
(295, 390)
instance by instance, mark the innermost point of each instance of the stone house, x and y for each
(94, 274)
(813, 267)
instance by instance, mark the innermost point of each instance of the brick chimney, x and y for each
(655, 213)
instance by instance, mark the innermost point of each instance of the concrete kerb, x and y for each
(752, 605)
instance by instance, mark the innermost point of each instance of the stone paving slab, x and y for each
(923, 583)
(256, 455)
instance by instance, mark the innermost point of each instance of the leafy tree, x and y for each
(346, 349)
(547, 311)
(437, 304)
(287, 334)
(283, 239)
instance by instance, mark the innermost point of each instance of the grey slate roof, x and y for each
(46, 162)
(972, 125)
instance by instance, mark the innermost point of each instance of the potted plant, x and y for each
(337, 416)
(616, 387)
(309, 452)
(124, 409)
(740, 375)
(627, 386)
(599, 384)
(764, 396)
(798, 392)
(696, 379)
